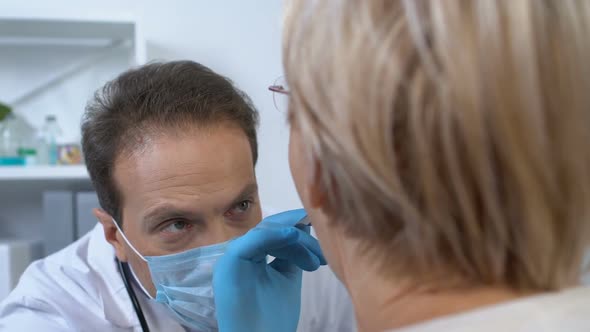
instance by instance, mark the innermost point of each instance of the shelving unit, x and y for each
(52, 66)
(38, 59)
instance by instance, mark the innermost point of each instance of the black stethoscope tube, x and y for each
(124, 270)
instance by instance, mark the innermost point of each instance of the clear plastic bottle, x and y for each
(42, 149)
(51, 133)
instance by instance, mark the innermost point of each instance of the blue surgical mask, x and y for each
(184, 283)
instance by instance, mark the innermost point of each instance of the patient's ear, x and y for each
(318, 190)
(111, 233)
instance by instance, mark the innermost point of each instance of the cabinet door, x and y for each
(85, 220)
(58, 220)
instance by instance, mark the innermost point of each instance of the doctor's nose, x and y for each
(216, 231)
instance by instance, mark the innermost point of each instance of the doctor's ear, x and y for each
(102, 216)
(110, 233)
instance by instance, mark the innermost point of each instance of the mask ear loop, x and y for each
(130, 267)
(127, 241)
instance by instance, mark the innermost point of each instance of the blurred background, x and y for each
(55, 54)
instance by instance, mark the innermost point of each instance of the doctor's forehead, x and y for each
(204, 163)
(196, 207)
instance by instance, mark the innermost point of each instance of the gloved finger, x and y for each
(287, 218)
(259, 242)
(312, 244)
(304, 241)
(298, 258)
(304, 232)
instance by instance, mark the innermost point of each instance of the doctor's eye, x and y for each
(177, 227)
(240, 208)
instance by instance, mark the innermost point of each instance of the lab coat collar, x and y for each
(113, 297)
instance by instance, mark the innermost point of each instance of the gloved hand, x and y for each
(252, 295)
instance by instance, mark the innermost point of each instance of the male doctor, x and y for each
(171, 150)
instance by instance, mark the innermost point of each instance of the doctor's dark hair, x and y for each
(152, 100)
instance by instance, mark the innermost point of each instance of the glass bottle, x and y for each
(51, 133)
(9, 139)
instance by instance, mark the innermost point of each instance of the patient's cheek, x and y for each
(297, 166)
(328, 236)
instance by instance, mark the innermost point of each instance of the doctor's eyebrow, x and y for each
(246, 193)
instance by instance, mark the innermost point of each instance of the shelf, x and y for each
(66, 29)
(74, 172)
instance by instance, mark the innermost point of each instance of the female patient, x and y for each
(441, 150)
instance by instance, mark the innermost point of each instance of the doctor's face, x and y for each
(185, 191)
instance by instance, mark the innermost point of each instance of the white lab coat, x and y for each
(80, 289)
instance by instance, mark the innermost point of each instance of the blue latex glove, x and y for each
(252, 295)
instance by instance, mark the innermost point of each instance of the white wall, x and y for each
(239, 39)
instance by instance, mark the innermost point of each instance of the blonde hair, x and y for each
(452, 134)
